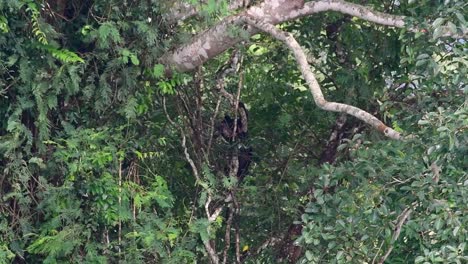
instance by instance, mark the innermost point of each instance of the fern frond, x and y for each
(63, 55)
(36, 30)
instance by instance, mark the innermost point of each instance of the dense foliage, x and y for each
(104, 159)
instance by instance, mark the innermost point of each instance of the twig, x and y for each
(187, 156)
(236, 227)
(378, 251)
(213, 119)
(401, 220)
(184, 145)
(199, 106)
(238, 250)
(231, 67)
(236, 109)
(4, 90)
(272, 241)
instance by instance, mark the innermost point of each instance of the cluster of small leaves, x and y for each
(355, 222)
(62, 55)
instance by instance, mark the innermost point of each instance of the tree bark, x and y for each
(219, 38)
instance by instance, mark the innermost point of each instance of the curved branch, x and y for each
(184, 141)
(314, 86)
(352, 9)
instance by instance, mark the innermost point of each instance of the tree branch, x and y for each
(401, 220)
(227, 234)
(184, 145)
(181, 10)
(352, 9)
(211, 217)
(314, 86)
(219, 38)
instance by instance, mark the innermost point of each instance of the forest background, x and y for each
(198, 131)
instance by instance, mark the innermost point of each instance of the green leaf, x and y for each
(438, 32)
(452, 27)
(4, 24)
(257, 50)
(460, 17)
(134, 60)
(438, 223)
(422, 56)
(438, 22)
(158, 70)
(108, 33)
(419, 259)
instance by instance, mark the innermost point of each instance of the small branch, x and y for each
(227, 235)
(4, 90)
(236, 108)
(378, 251)
(191, 116)
(228, 68)
(236, 227)
(167, 114)
(314, 86)
(238, 249)
(211, 252)
(234, 164)
(211, 217)
(270, 242)
(207, 206)
(200, 87)
(401, 220)
(184, 141)
(212, 125)
(187, 156)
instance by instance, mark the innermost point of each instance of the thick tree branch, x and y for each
(219, 38)
(353, 10)
(314, 86)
